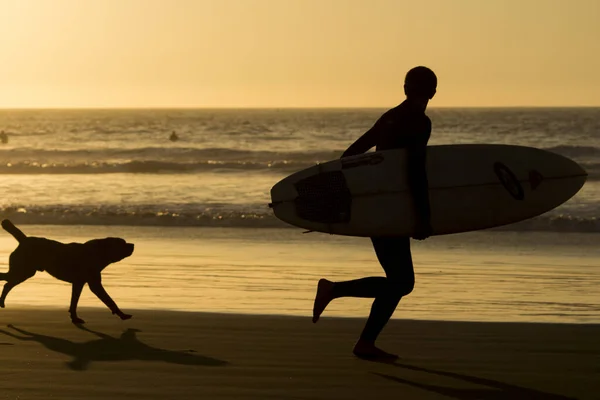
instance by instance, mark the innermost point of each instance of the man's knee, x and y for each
(402, 288)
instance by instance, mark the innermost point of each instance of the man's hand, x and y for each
(423, 230)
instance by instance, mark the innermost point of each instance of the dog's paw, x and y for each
(77, 320)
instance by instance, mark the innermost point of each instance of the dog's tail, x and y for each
(13, 230)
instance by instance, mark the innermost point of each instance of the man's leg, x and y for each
(395, 257)
(369, 287)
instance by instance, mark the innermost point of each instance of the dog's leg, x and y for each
(96, 287)
(15, 336)
(21, 331)
(75, 294)
(13, 279)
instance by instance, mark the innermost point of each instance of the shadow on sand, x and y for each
(107, 348)
(495, 390)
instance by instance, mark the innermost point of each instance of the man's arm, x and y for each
(419, 185)
(365, 142)
(417, 179)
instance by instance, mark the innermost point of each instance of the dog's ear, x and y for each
(96, 250)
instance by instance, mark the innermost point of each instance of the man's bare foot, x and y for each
(322, 299)
(368, 351)
(122, 315)
(75, 319)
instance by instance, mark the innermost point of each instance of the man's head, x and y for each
(420, 84)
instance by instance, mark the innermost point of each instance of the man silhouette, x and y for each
(405, 126)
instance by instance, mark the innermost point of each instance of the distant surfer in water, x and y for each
(174, 137)
(405, 126)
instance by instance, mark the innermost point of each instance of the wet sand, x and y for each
(164, 354)
(479, 276)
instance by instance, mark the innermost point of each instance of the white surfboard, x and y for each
(471, 187)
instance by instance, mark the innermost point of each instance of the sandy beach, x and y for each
(243, 328)
(169, 355)
(484, 276)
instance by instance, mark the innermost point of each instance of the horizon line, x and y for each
(276, 108)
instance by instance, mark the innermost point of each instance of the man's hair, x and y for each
(420, 81)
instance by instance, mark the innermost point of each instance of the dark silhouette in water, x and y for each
(495, 391)
(174, 137)
(3, 137)
(405, 126)
(107, 348)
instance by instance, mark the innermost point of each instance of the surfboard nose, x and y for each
(582, 174)
(568, 171)
(573, 169)
(581, 170)
(568, 166)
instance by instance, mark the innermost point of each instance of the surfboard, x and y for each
(471, 187)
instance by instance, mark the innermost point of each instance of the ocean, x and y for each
(78, 174)
(118, 166)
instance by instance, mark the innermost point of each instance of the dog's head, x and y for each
(110, 250)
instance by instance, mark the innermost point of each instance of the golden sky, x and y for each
(296, 53)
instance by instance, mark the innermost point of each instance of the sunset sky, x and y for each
(296, 53)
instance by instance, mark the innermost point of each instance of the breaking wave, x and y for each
(255, 216)
(153, 160)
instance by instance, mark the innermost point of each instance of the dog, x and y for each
(76, 263)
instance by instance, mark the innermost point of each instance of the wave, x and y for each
(150, 167)
(154, 160)
(142, 215)
(188, 160)
(151, 160)
(257, 216)
(157, 167)
(555, 223)
(163, 154)
(216, 153)
(575, 151)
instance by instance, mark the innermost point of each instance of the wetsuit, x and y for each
(401, 127)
